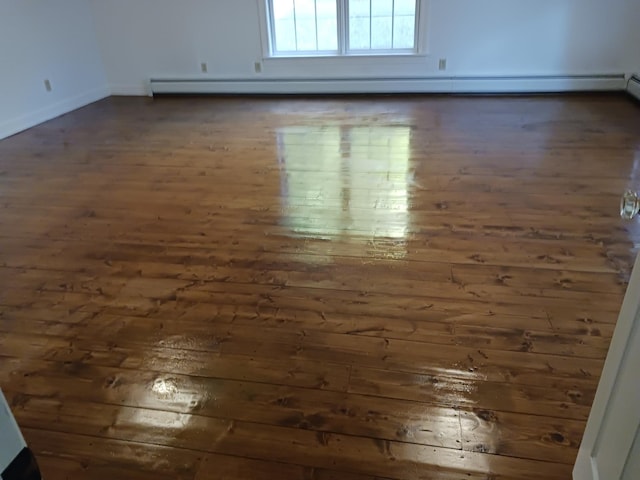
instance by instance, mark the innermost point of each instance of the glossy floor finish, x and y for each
(313, 289)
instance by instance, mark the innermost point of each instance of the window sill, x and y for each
(348, 55)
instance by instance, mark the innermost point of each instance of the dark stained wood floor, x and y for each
(313, 289)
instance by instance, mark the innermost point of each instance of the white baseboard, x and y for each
(539, 84)
(394, 85)
(32, 119)
(633, 87)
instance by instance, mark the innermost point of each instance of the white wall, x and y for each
(47, 39)
(164, 38)
(139, 39)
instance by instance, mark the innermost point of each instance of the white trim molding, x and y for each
(621, 349)
(633, 86)
(534, 84)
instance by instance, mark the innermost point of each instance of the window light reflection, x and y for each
(345, 180)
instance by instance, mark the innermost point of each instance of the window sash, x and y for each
(342, 14)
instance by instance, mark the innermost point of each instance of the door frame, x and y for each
(584, 468)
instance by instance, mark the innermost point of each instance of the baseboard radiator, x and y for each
(539, 84)
(633, 86)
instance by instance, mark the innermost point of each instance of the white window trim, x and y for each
(266, 27)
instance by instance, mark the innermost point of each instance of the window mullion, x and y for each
(343, 26)
(295, 24)
(393, 22)
(417, 29)
(315, 12)
(271, 28)
(370, 21)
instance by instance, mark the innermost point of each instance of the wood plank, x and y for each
(324, 411)
(369, 239)
(224, 467)
(270, 299)
(430, 280)
(561, 399)
(484, 431)
(510, 333)
(62, 455)
(206, 362)
(521, 436)
(391, 459)
(171, 181)
(521, 367)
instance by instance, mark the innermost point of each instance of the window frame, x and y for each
(267, 28)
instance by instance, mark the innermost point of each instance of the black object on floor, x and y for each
(23, 467)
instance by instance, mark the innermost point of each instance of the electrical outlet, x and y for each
(257, 67)
(47, 85)
(204, 67)
(442, 64)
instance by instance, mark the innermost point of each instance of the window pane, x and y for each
(381, 32)
(327, 34)
(327, 25)
(285, 29)
(359, 33)
(381, 8)
(305, 8)
(359, 22)
(404, 7)
(285, 35)
(359, 8)
(306, 34)
(326, 8)
(305, 25)
(305, 12)
(282, 9)
(382, 24)
(404, 32)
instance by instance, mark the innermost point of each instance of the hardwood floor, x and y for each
(321, 288)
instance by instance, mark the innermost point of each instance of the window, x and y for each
(342, 27)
